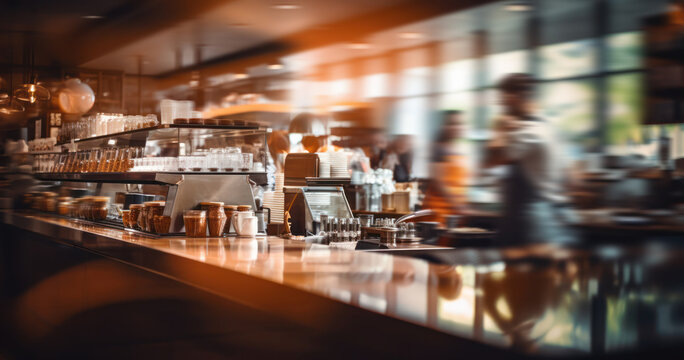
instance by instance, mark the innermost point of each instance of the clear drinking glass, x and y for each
(246, 163)
(366, 220)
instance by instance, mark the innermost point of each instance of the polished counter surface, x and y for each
(539, 300)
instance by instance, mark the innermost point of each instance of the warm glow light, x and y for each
(240, 76)
(286, 6)
(410, 35)
(359, 46)
(518, 7)
(275, 66)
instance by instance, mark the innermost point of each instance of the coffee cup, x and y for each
(245, 223)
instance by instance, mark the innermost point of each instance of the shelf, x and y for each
(163, 127)
(260, 178)
(238, 110)
(670, 92)
(674, 54)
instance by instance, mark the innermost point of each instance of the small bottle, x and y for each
(343, 230)
(332, 233)
(323, 224)
(355, 229)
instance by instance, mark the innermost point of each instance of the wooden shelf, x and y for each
(238, 110)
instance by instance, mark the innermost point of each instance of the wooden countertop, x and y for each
(471, 300)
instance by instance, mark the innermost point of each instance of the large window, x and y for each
(624, 51)
(624, 110)
(568, 59)
(498, 65)
(570, 106)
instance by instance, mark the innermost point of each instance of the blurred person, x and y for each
(378, 149)
(399, 158)
(532, 199)
(446, 192)
(278, 147)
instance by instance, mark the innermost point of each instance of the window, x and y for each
(624, 51)
(569, 105)
(498, 65)
(415, 81)
(457, 76)
(568, 59)
(624, 110)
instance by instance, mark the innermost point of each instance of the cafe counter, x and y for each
(82, 289)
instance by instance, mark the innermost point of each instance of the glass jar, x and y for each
(153, 208)
(99, 208)
(50, 202)
(63, 204)
(195, 222)
(136, 209)
(216, 218)
(162, 224)
(126, 218)
(229, 210)
(142, 219)
(83, 207)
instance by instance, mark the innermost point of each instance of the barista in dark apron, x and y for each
(529, 216)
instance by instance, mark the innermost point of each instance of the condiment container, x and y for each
(136, 210)
(216, 218)
(195, 222)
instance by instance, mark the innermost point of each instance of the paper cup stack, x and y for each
(339, 167)
(324, 165)
(275, 200)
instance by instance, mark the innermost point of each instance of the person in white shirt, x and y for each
(532, 189)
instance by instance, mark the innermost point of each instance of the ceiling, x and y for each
(164, 38)
(228, 28)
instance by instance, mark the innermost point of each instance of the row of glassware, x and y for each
(229, 163)
(95, 160)
(133, 159)
(104, 124)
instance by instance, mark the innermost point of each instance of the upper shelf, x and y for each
(261, 178)
(238, 110)
(144, 131)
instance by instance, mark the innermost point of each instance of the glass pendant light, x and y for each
(9, 107)
(32, 92)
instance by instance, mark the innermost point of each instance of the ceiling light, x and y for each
(359, 46)
(32, 93)
(518, 6)
(410, 35)
(286, 6)
(275, 66)
(240, 76)
(92, 17)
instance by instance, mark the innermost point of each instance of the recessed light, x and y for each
(286, 6)
(359, 46)
(519, 6)
(240, 76)
(275, 66)
(410, 35)
(92, 17)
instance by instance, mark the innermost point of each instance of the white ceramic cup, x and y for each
(245, 223)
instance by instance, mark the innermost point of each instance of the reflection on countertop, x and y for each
(535, 299)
